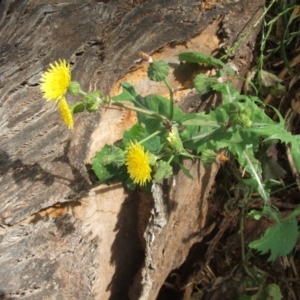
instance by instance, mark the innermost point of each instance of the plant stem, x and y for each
(237, 44)
(242, 232)
(171, 99)
(170, 159)
(150, 136)
(140, 110)
(81, 92)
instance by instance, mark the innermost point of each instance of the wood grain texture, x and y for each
(176, 222)
(42, 163)
(48, 260)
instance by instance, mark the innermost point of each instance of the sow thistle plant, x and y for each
(164, 135)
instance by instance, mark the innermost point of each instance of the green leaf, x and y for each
(295, 150)
(106, 164)
(137, 133)
(279, 239)
(255, 214)
(77, 108)
(273, 292)
(163, 170)
(200, 119)
(128, 93)
(267, 211)
(159, 105)
(158, 70)
(201, 58)
(271, 168)
(182, 167)
(253, 167)
(229, 93)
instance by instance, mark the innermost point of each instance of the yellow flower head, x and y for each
(65, 113)
(56, 80)
(137, 164)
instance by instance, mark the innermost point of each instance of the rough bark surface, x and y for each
(42, 164)
(48, 260)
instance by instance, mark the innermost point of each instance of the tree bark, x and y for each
(55, 239)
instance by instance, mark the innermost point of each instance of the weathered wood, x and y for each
(42, 163)
(38, 155)
(48, 260)
(176, 223)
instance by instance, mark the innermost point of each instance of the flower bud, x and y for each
(145, 57)
(208, 157)
(158, 70)
(174, 141)
(91, 101)
(151, 159)
(74, 88)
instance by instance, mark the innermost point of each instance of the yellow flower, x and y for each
(137, 164)
(65, 113)
(56, 80)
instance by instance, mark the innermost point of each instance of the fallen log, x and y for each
(114, 245)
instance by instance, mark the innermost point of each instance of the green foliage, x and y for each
(108, 164)
(164, 135)
(203, 83)
(77, 108)
(91, 101)
(279, 239)
(201, 58)
(137, 133)
(163, 170)
(158, 70)
(239, 125)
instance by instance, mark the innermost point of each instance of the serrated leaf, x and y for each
(279, 239)
(201, 58)
(101, 165)
(158, 70)
(229, 93)
(163, 170)
(253, 167)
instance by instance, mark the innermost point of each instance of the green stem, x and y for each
(244, 37)
(147, 138)
(171, 99)
(242, 232)
(170, 159)
(140, 110)
(81, 92)
(150, 136)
